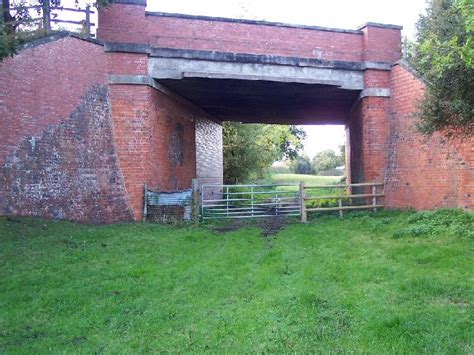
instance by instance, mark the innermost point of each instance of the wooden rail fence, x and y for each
(254, 201)
(206, 201)
(347, 200)
(50, 14)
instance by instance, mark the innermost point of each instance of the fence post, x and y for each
(374, 198)
(227, 201)
(341, 213)
(145, 202)
(46, 16)
(277, 203)
(196, 200)
(251, 200)
(304, 216)
(88, 20)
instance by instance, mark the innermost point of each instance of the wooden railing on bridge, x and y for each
(48, 14)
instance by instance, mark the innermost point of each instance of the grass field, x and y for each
(308, 179)
(382, 283)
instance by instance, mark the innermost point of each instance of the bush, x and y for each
(444, 221)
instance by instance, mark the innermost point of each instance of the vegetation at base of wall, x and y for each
(443, 54)
(449, 222)
(250, 149)
(326, 286)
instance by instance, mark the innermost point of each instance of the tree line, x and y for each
(324, 162)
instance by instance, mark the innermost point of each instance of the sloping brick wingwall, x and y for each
(424, 173)
(57, 149)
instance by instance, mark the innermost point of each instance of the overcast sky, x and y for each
(348, 14)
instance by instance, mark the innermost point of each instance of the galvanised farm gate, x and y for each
(85, 123)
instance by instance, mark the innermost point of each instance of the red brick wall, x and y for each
(369, 133)
(123, 23)
(381, 44)
(129, 23)
(127, 63)
(57, 153)
(223, 36)
(174, 144)
(424, 173)
(355, 158)
(155, 137)
(41, 86)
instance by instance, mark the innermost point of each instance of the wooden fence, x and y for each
(345, 198)
(204, 202)
(48, 14)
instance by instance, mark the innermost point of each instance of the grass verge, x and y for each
(384, 282)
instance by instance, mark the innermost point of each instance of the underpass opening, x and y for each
(273, 102)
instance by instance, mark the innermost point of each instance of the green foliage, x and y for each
(444, 56)
(328, 286)
(301, 165)
(327, 160)
(324, 163)
(439, 222)
(7, 42)
(250, 149)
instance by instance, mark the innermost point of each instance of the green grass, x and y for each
(308, 179)
(311, 180)
(382, 283)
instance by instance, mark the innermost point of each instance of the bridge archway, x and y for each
(255, 72)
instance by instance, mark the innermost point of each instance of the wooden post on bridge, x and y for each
(196, 200)
(46, 9)
(88, 21)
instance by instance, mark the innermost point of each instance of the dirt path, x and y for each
(269, 226)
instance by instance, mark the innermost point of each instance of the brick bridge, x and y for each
(85, 123)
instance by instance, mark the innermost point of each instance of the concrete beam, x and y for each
(375, 92)
(178, 68)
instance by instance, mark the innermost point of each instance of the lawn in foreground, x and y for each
(388, 282)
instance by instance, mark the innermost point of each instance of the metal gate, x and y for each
(249, 201)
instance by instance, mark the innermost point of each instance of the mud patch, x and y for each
(269, 226)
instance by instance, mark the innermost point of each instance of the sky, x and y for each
(347, 14)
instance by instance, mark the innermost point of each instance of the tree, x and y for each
(326, 160)
(7, 40)
(443, 54)
(302, 165)
(11, 34)
(342, 155)
(251, 148)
